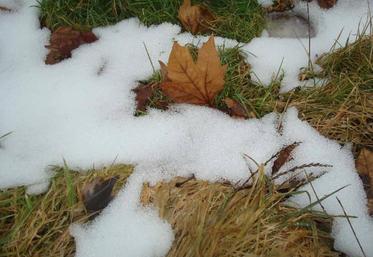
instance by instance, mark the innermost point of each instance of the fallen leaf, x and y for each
(194, 83)
(280, 6)
(196, 18)
(163, 70)
(143, 95)
(283, 156)
(235, 109)
(326, 4)
(98, 193)
(364, 166)
(65, 39)
(5, 9)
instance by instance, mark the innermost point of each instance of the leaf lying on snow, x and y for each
(196, 18)
(364, 165)
(65, 39)
(190, 82)
(326, 4)
(283, 156)
(5, 9)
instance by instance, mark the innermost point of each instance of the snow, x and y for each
(81, 110)
(265, 3)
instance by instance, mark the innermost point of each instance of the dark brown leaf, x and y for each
(143, 95)
(65, 39)
(283, 156)
(98, 193)
(235, 109)
(5, 9)
(326, 4)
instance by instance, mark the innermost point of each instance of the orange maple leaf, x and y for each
(190, 82)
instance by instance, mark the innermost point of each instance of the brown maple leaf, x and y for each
(65, 39)
(364, 165)
(190, 82)
(196, 18)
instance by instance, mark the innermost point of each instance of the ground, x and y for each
(266, 167)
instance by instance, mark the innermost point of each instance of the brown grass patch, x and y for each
(218, 219)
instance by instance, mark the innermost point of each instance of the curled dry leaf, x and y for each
(195, 18)
(98, 193)
(190, 82)
(65, 39)
(364, 165)
(283, 156)
(235, 109)
(143, 95)
(326, 4)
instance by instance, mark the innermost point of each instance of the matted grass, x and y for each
(238, 19)
(38, 225)
(220, 220)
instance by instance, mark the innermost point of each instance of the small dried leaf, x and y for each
(195, 18)
(65, 39)
(235, 109)
(143, 95)
(326, 4)
(283, 156)
(364, 162)
(5, 9)
(163, 71)
(194, 83)
(364, 165)
(98, 194)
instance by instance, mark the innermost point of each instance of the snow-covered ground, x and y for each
(71, 111)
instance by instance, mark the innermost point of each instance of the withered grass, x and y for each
(221, 220)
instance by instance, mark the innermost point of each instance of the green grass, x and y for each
(238, 19)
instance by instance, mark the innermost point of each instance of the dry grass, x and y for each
(209, 219)
(218, 219)
(39, 225)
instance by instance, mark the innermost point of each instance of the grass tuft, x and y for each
(38, 225)
(219, 219)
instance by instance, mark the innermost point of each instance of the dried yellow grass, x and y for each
(219, 220)
(38, 225)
